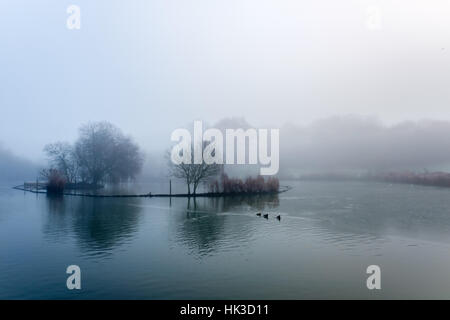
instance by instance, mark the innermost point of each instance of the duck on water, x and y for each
(266, 215)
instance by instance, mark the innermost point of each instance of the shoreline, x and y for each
(158, 195)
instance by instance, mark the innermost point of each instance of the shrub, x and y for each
(56, 182)
(250, 185)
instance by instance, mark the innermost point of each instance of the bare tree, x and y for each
(193, 174)
(128, 160)
(62, 157)
(104, 153)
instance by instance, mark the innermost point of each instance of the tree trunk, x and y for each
(195, 188)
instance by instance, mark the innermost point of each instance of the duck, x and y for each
(266, 216)
(279, 217)
(259, 214)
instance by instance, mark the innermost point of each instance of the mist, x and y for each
(14, 168)
(348, 144)
(152, 66)
(336, 144)
(357, 143)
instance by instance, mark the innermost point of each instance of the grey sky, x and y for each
(152, 66)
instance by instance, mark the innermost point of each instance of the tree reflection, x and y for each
(256, 202)
(97, 224)
(213, 224)
(204, 225)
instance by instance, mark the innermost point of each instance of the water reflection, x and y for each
(57, 225)
(98, 225)
(364, 209)
(219, 248)
(204, 225)
(225, 204)
(211, 225)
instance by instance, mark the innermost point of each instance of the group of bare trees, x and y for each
(101, 154)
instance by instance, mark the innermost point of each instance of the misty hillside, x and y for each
(14, 168)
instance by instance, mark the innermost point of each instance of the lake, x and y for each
(157, 248)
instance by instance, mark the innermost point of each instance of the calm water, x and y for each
(218, 248)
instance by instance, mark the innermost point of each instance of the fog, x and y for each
(344, 143)
(150, 67)
(348, 144)
(14, 168)
(338, 144)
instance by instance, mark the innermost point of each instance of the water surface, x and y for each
(219, 249)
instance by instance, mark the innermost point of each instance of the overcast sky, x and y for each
(152, 66)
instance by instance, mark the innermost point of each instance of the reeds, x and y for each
(249, 185)
(56, 182)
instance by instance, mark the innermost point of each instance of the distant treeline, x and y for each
(331, 176)
(440, 179)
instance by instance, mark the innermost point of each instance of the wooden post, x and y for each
(170, 193)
